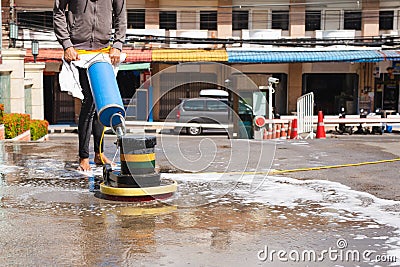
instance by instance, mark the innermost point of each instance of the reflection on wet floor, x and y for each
(50, 218)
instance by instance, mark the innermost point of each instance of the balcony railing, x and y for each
(137, 34)
(197, 34)
(335, 34)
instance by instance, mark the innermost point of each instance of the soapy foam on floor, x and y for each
(289, 192)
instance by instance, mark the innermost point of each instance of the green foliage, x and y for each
(15, 124)
(39, 128)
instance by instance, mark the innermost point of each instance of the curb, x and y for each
(42, 139)
(108, 131)
(2, 132)
(25, 136)
(63, 130)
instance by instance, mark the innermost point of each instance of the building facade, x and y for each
(340, 51)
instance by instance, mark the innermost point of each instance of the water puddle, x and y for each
(49, 216)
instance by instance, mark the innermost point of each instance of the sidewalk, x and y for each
(63, 128)
(73, 128)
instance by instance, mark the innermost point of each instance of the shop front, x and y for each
(387, 89)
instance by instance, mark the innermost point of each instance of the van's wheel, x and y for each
(194, 130)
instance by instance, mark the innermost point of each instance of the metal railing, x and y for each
(305, 114)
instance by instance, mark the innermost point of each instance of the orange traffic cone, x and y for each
(269, 133)
(294, 134)
(289, 131)
(265, 134)
(321, 127)
(283, 132)
(278, 131)
(273, 131)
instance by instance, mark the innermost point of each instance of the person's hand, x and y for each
(70, 54)
(115, 55)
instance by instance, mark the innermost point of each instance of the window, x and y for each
(280, 19)
(193, 105)
(240, 20)
(208, 20)
(215, 105)
(168, 20)
(41, 19)
(352, 20)
(136, 18)
(313, 20)
(386, 20)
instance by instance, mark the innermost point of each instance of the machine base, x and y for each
(165, 190)
(116, 179)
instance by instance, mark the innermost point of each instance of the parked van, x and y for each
(214, 93)
(211, 107)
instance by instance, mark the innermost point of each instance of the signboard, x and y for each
(259, 103)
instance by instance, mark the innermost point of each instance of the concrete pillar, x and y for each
(28, 96)
(14, 59)
(370, 18)
(224, 18)
(5, 87)
(34, 103)
(152, 19)
(297, 18)
(295, 84)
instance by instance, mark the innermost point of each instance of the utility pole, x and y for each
(12, 11)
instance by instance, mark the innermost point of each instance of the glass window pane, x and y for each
(215, 105)
(41, 19)
(136, 18)
(352, 20)
(313, 20)
(168, 20)
(194, 105)
(240, 20)
(386, 19)
(208, 20)
(280, 19)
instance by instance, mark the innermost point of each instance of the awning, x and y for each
(265, 56)
(236, 55)
(55, 55)
(137, 55)
(135, 66)
(45, 55)
(391, 55)
(189, 55)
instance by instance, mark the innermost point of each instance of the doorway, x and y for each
(333, 91)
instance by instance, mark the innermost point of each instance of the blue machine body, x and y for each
(106, 95)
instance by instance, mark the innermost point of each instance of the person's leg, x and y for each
(85, 121)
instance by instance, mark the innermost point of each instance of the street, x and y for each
(230, 208)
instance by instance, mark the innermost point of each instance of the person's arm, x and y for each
(119, 10)
(61, 30)
(60, 23)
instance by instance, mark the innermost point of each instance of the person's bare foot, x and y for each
(100, 159)
(84, 164)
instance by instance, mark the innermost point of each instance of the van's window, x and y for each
(213, 105)
(244, 108)
(194, 105)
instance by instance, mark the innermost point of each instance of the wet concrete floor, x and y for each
(222, 215)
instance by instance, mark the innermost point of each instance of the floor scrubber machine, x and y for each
(137, 179)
